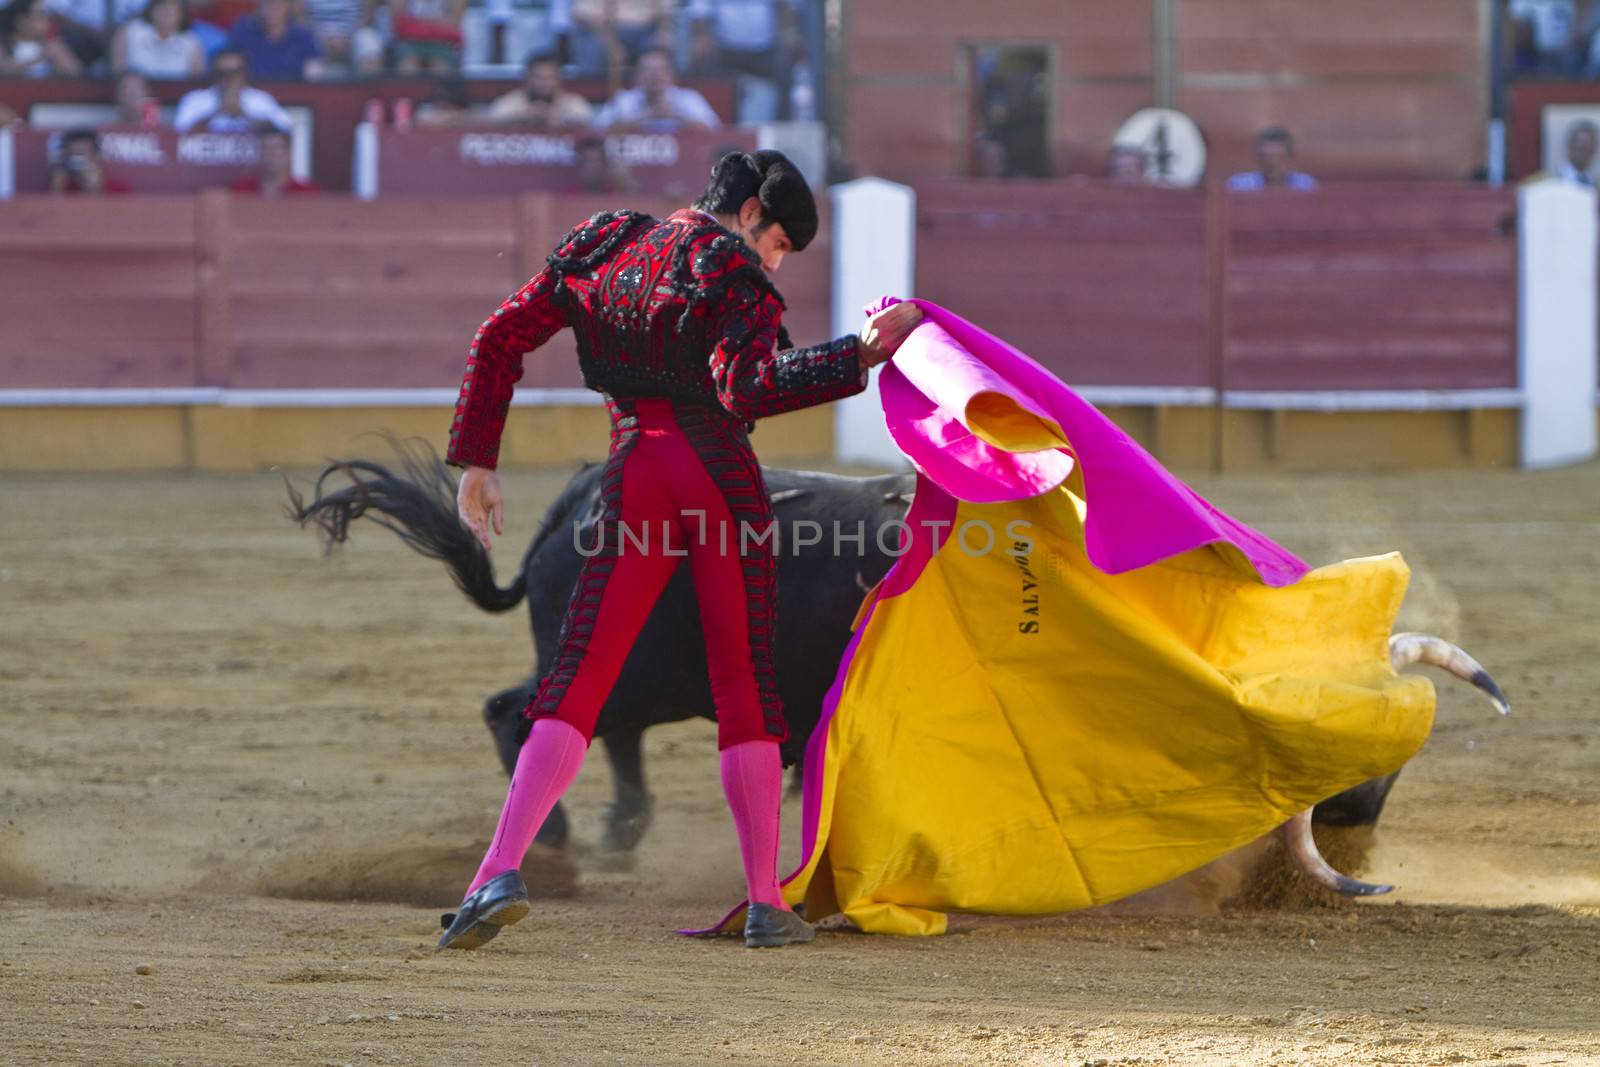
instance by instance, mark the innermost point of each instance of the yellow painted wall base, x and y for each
(1369, 440)
(171, 437)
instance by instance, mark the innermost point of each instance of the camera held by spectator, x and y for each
(656, 103)
(231, 104)
(78, 170)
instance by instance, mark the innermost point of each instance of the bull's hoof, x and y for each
(768, 927)
(625, 829)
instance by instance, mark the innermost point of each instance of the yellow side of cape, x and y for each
(1020, 733)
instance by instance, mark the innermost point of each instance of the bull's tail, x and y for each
(1408, 648)
(418, 506)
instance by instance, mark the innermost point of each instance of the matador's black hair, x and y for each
(771, 178)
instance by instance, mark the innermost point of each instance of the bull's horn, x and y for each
(1303, 847)
(1406, 649)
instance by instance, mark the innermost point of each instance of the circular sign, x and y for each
(1174, 150)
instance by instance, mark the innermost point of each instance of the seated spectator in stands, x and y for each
(448, 104)
(596, 171)
(83, 24)
(31, 44)
(214, 21)
(656, 103)
(1274, 165)
(160, 44)
(603, 34)
(275, 176)
(78, 169)
(541, 101)
(134, 103)
(1583, 138)
(278, 46)
(1125, 164)
(346, 32)
(1543, 41)
(427, 35)
(757, 40)
(230, 105)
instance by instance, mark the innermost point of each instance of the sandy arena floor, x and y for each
(261, 772)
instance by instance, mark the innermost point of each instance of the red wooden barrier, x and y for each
(1371, 287)
(1105, 285)
(323, 292)
(1380, 287)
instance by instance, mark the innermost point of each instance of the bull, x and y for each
(664, 679)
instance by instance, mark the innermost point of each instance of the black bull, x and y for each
(664, 680)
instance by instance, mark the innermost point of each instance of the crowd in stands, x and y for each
(760, 45)
(1553, 38)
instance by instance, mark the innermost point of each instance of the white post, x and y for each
(364, 180)
(1557, 246)
(874, 255)
(8, 164)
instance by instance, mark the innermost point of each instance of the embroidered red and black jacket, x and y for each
(679, 309)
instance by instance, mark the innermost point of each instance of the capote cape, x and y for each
(1080, 680)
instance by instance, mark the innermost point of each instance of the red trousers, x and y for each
(681, 484)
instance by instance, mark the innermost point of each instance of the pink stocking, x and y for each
(752, 780)
(546, 766)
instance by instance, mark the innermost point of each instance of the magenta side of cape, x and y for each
(1138, 512)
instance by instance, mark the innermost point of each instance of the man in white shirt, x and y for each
(656, 103)
(1274, 165)
(1583, 138)
(230, 105)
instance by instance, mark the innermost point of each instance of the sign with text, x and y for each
(151, 161)
(500, 161)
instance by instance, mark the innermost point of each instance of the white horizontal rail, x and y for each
(281, 398)
(1108, 395)
(1147, 395)
(1375, 400)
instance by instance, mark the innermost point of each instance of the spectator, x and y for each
(606, 34)
(756, 40)
(159, 45)
(540, 100)
(656, 103)
(448, 105)
(1274, 165)
(427, 36)
(275, 177)
(596, 171)
(1125, 164)
(31, 44)
(1583, 138)
(83, 24)
(230, 105)
(78, 169)
(277, 45)
(346, 34)
(1543, 41)
(132, 97)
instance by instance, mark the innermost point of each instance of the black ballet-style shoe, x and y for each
(768, 927)
(500, 901)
